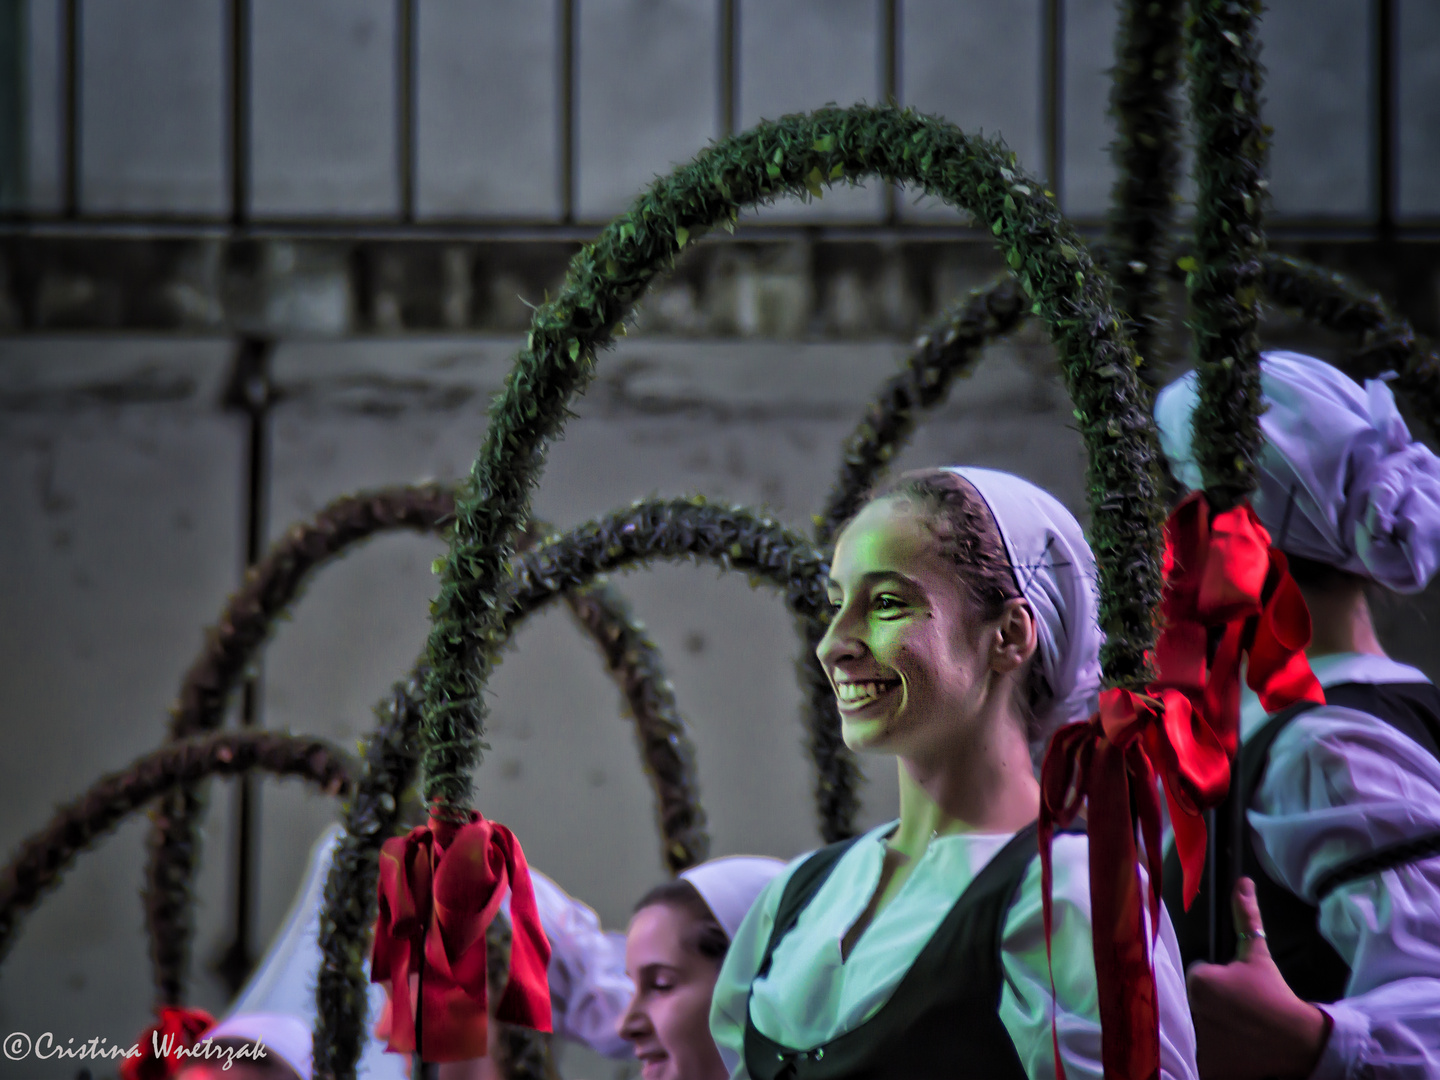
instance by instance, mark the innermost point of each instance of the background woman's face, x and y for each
(668, 1020)
(905, 652)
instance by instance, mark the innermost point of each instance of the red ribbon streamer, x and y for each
(177, 1029)
(440, 887)
(1223, 584)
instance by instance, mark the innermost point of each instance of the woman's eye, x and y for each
(886, 602)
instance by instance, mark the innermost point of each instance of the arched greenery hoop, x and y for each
(269, 589)
(41, 858)
(606, 277)
(272, 586)
(1384, 340)
(561, 566)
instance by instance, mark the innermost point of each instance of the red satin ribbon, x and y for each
(1223, 583)
(440, 887)
(176, 1029)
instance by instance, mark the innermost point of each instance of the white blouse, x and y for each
(589, 990)
(811, 995)
(1340, 784)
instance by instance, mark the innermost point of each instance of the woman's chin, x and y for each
(865, 734)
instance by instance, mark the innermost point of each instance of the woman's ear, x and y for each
(1016, 637)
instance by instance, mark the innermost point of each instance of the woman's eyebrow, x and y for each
(875, 576)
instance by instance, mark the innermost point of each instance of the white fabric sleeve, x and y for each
(1025, 1002)
(589, 989)
(1338, 785)
(730, 1005)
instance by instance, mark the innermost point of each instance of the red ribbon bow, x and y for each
(1223, 582)
(440, 887)
(161, 1044)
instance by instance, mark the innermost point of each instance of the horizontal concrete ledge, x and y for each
(787, 284)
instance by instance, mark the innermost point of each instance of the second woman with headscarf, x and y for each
(964, 631)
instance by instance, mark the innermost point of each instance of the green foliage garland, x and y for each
(792, 155)
(41, 858)
(371, 817)
(689, 528)
(269, 588)
(272, 586)
(565, 565)
(1146, 152)
(1224, 278)
(520, 1053)
(1384, 340)
(737, 540)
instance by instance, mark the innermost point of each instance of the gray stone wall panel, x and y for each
(45, 135)
(153, 108)
(1318, 98)
(800, 55)
(978, 66)
(646, 95)
(121, 541)
(487, 100)
(1418, 43)
(323, 108)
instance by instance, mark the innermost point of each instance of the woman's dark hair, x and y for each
(706, 936)
(967, 535)
(1320, 575)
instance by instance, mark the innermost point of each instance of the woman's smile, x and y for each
(858, 695)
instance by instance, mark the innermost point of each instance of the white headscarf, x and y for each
(730, 886)
(1341, 481)
(287, 1037)
(1055, 570)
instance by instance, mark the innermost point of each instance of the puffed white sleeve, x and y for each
(589, 989)
(1338, 785)
(729, 1007)
(1025, 1001)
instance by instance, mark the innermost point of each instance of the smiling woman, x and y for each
(678, 937)
(964, 630)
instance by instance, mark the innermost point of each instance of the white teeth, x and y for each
(854, 693)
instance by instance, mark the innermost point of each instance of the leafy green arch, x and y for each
(792, 156)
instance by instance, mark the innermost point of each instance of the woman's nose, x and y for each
(634, 1024)
(840, 641)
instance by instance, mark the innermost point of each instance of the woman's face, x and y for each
(668, 1020)
(905, 651)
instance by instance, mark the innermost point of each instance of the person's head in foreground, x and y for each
(954, 640)
(254, 1046)
(1354, 502)
(677, 940)
(963, 631)
(1343, 490)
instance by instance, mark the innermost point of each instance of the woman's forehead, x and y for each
(657, 933)
(887, 536)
